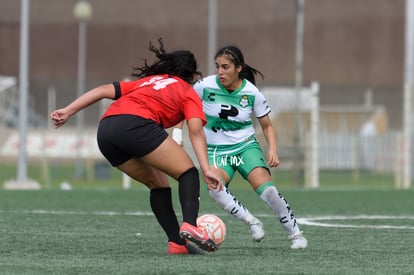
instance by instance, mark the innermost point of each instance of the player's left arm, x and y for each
(269, 133)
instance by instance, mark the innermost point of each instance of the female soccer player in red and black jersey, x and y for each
(132, 137)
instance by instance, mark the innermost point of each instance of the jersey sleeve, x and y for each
(117, 87)
(199, 87)
(261, 106)
(124, 87)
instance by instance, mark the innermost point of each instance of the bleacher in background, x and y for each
(9, 105)
(349, 136)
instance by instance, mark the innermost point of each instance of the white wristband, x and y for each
(177, 135)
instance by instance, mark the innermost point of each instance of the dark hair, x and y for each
(180, 63)
(236, 56)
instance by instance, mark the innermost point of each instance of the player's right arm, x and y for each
(198, 141)
(60, 116)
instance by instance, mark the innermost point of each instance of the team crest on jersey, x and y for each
(244, 101)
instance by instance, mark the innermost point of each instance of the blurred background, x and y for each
(334, 75)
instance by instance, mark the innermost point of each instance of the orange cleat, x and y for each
(197, 236)
(174, 248)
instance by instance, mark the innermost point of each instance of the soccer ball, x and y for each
(213, 226)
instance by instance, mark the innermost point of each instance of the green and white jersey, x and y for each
(228, 114)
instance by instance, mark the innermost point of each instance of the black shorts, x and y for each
(122, 137)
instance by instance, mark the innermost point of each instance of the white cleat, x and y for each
(298, 241)
(256, 230)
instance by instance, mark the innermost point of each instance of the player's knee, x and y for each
(191, 173)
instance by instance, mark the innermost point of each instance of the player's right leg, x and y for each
(189, 194)
(162, 207)
(233, 206)
(164, 158)
(227, 201)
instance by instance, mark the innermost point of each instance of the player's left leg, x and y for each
(260, 180)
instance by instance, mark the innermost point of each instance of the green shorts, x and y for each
(241, 157)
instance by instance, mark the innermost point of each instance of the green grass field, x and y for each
(112, 231)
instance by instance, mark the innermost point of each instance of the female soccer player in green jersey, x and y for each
(229, 99)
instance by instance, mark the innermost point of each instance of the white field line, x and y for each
(92, 213)
(328, 221)
(321, 221)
